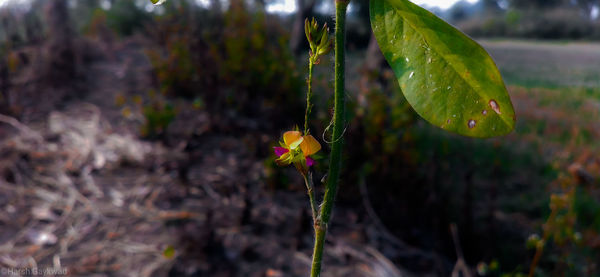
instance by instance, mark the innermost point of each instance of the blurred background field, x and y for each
(137, 140)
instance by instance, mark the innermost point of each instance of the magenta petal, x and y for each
(280, 151)
(309, 161)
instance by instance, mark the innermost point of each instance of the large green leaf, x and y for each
(448, 78)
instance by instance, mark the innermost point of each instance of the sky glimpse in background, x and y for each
(5, 2)
(444, 4)
(289, 6)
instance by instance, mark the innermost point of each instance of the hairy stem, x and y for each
(308, 96)
(338, 131)
(311, 196)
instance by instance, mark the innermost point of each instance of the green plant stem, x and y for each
(311, 196)
(338, 131)
(308, 95)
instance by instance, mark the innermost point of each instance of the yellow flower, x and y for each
(297, 149)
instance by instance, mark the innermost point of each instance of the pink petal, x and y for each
(309, 161)
(280, 151)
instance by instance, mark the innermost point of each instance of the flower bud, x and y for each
(318, 38)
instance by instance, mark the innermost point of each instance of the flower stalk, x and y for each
(308, 97)
(320, 45)
(297, 147)
(308, 180)
(335, 163)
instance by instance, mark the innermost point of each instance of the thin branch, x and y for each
(311, 195)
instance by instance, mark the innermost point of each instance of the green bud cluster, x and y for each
(318, 39)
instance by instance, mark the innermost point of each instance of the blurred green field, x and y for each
(499, 190)
(555, 87)
(547, 64)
